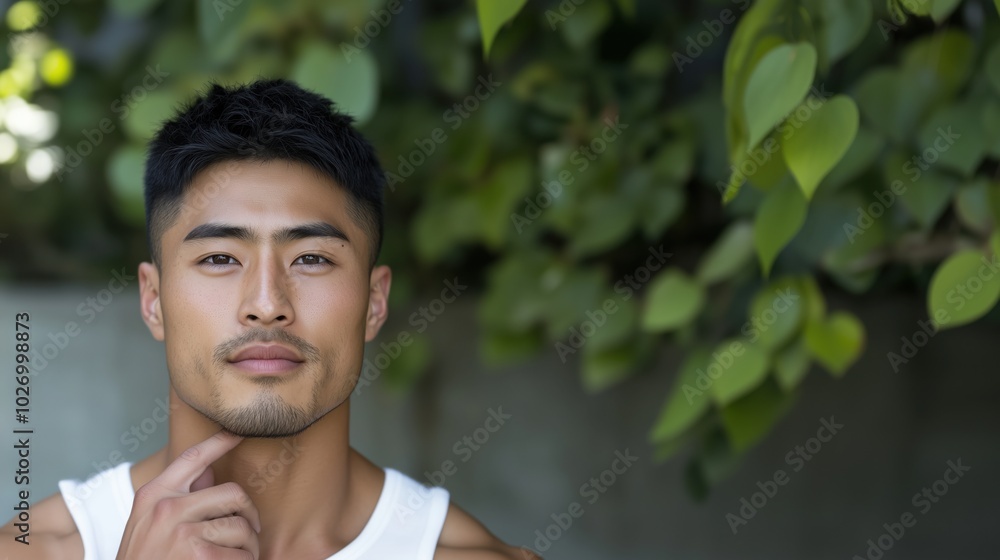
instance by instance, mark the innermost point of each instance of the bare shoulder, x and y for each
(52, 534)
(463, 537)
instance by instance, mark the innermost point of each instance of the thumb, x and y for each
(206, 480)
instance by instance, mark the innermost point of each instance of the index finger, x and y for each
(183, 471)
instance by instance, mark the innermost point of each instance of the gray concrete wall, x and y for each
(900, 429)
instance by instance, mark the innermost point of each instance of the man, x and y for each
(264, 221)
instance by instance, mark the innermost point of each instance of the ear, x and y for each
(378, 300)
(149, 299)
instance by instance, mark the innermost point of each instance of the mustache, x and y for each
(222, 352)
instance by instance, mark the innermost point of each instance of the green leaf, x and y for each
(779, 218)
(750, 418)
(220, 24)
(620, 322)
(515, 299)
(134, 8)
(125, 169)
(493, 14)
(441, 225)
(941, 9)
(777, 85)
(845, 24)
(661, 208)
(859, 157)
(674, 300)
(815, 304)
(683, 407)
(992, 67)
(627, 7)
(586, 23)
(146, 116)
(835, 342)
(736, 369)
(497, 197)
(349, 77)
(607, 219)
(791, 365)
(741, 50)
(776, 313)
(502, 348)
(925, 194)
(953, 137)
(568, 292)
(824, 137)
(972, 206)
(728, 255)
(964, 288)
(602, 369)
(942, 62)
(404, 370)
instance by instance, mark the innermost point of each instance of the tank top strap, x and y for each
(100, 507)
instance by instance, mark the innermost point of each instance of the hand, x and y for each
(180, 514)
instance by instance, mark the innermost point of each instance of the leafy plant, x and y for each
(630, 176)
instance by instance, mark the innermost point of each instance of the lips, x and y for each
(266, 359)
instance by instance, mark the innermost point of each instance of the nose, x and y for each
(266, 300)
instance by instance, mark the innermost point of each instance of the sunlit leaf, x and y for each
(673, 301)
(348, 76)
(778, 83)
(964, 288)
(729, 254)
(812, 149)
(835, 342)
(779, 218)
(735, 369)
(493, 14)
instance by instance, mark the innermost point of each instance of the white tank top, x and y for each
(405, 525)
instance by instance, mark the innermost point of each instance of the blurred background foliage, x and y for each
(612, 176)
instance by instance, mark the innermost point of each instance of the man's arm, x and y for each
(465, 538)
(53, 534)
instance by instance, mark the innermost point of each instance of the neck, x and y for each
(313, 492)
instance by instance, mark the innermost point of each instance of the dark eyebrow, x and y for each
(216, 230)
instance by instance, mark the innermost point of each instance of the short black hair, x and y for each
(262, 121)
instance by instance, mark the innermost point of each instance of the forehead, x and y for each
(265, 196)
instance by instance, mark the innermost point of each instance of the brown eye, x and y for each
(218, 260)
(312, 260)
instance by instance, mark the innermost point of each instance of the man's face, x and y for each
(256, 258)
